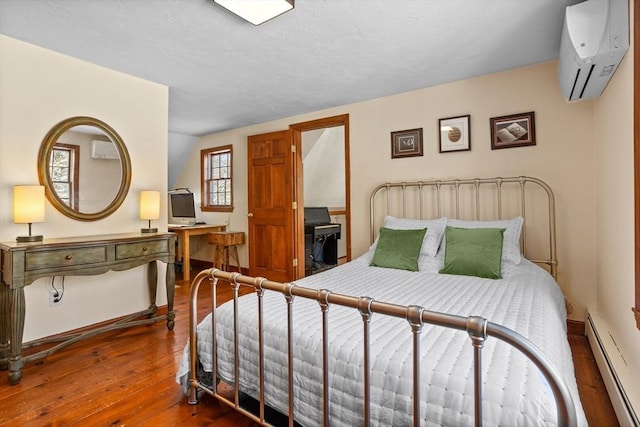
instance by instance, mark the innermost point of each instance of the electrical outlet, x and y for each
(55, 299)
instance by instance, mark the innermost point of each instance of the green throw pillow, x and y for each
(473, 252)
(398, 248)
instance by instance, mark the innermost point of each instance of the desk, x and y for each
(184, 232)
(22, 263)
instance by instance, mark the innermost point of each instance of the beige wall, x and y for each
(613, 135)
(39, 88)
(564, 157)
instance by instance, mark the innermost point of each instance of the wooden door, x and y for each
(272, 215)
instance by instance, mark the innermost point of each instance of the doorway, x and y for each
(323, 145)
(276, 195)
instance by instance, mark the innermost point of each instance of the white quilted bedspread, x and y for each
(527, 300)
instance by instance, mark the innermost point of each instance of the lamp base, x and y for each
(29, 239)
(148, 230)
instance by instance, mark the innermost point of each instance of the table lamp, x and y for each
(28, 207)
(149, 208)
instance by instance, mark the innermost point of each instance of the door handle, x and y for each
(250, 215)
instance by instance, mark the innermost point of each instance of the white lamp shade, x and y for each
(256, 11)
(28, 204)
(149, 204)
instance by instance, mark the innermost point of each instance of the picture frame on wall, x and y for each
(455, 134)
(515, 130)
(406, 143)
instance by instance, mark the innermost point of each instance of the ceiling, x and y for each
(224, 73)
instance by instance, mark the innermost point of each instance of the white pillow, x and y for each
(432, 264)
(511, 239)
(433, 237)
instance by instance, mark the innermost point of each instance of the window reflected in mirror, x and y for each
(63, 170)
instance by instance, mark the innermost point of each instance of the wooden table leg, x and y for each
(171, 285)
(4, 326)
(218, 257)
(180, 248)
(225, 252)
(152, 285)
(16, 325)
(186, 257)
(234, 255)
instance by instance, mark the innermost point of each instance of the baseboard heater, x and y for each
(619, 399)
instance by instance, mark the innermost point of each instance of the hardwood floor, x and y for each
(126, 378)
(595, 400)
(120, 378)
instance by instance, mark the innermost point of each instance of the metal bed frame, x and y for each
(443, 191)
(478, 328)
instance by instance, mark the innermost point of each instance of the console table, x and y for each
(22, 263)
(184, 232)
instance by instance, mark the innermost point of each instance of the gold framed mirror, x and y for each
(85, 168)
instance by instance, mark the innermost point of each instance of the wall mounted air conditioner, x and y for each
(595, 38)
(104, 150)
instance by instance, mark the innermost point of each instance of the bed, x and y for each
(419, 347)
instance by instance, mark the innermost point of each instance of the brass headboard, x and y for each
(475, 199)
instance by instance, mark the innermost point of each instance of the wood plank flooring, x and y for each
(126, 378)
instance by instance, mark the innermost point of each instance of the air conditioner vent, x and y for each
(595, 38)
(104, 150)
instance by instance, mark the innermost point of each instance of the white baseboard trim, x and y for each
(606, 361)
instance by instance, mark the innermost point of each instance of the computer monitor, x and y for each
(182, 205)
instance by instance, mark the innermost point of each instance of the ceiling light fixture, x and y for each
(256, 11)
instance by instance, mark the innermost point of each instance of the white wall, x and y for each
(613, 134)
(323, 165)
(564, 157)
(38, 89)
(180, 146)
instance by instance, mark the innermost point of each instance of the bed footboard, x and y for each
(478, 328)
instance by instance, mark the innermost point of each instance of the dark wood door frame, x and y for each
(296, 133)
(636, 151)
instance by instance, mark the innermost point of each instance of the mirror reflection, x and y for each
(85, 168)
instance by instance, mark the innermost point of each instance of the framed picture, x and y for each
(406, 143)
(455, 134)
(516, 130)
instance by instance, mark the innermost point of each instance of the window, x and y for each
(63, 170)
(216, 173)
